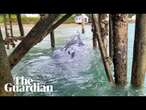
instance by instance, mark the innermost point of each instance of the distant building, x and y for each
(79, 19)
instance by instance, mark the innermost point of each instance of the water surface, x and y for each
(83, 75)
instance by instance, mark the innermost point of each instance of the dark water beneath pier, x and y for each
(83, 75)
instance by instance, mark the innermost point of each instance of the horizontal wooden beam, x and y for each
(14, 38)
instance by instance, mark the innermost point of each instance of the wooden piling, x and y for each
(111, 48)
(104, 29)
(120, 38)
(8, 30)
(52, 39)
(94, 38)
(5, 25)
(20, 24)
(83, 25)
(102, 49)
(139, 52)
(11, 31)
(43, 27)
(11, 28)
(5, 75)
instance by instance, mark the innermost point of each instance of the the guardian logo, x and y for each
(27, 85)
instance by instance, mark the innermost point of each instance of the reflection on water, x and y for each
(82, 75)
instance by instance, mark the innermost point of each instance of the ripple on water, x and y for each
(82, 75)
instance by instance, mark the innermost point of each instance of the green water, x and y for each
(82, 76)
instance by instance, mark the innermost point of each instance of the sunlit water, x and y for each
(82, 75)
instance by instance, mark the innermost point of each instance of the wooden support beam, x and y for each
(83, 25)
(102, 49)
(52, 39)
(139, 52)
(104, 29)
(38, 32)
(14, 38)
(5, 24)
(58, 22)
(5, 74)
(120, 38)
(111, 48)
(94, 39)
(20, 24)
(33, 37)
(11, 27)
(8, 30)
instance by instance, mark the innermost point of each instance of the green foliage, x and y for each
(32, 20)
(25, 19)
(29, 20)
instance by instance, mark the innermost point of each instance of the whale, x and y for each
(69, 49)
(75, 40)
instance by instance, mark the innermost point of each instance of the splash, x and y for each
(70, 49)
